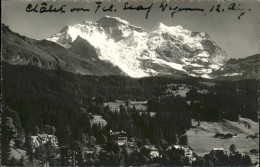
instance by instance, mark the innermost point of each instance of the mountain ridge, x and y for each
(139, 52)
(241, 68)
(20, 50)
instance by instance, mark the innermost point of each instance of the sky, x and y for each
(238, 37)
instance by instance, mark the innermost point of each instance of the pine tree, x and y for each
(36, 130)
(184, 140)
(29, 147)
(232, 149)
(8, 133)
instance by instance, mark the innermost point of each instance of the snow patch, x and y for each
(215, 66)
(233, 74)
(134, 48)
(203, 54)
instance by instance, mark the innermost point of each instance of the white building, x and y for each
(41, 139)
(119, 137)
(218, 149)
(152, 150)
(187, 151)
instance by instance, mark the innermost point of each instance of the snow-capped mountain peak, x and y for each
(159, 25)
(110, 19)
(139, 52)
(171, 29)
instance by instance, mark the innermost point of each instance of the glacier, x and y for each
(140, 52)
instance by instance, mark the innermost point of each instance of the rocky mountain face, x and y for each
(139, 52)
(20, 50)
(243, 68)
(111, 46)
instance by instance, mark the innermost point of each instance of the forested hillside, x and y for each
(66, 102)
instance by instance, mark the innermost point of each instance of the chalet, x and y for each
(41, 139)
(131, 143)
(54, 140)
(35, 141)
(150, 150)
(88, 151)
(218, 149)
(187, 151)
(119, 137)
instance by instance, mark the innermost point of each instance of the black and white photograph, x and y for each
(130, 83)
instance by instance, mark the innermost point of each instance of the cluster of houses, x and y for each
(150, 150)
(153, 152)
(40, 139)
(115, 106)
(122, 140)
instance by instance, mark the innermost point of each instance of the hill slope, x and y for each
(202, 140)
(243, 68)
(20, 50)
